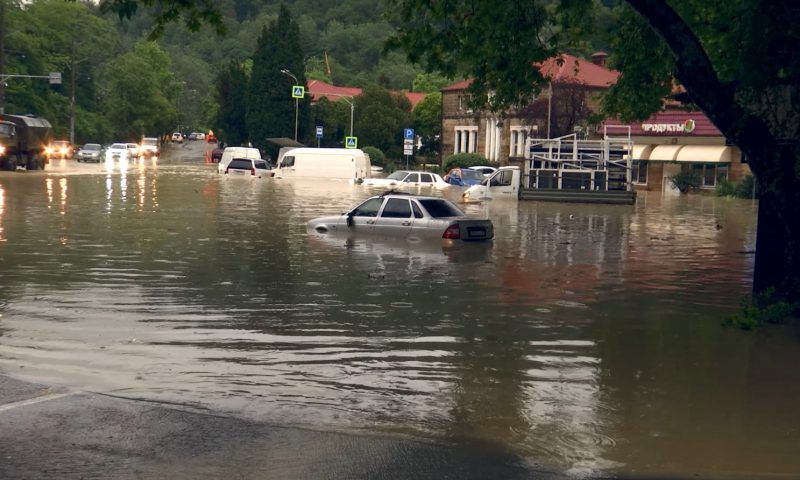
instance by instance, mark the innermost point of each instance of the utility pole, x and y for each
(71, 94)
(296, 100)
(2, 56)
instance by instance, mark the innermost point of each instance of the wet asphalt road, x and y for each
(48, 432)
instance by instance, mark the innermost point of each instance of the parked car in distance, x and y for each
(117, 151)
(192, 136)
(91, 152)
(249, 166)
(149, 147)
(177, 137)
(484, 169)
(407, 178)
(133, 150)
(199, 136)
(413, 217)
(463, 177)
(238, 152)
(59, 149)
(216, 155)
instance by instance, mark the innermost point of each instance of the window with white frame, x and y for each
(466, 140)
(709, 173)
(517, 143)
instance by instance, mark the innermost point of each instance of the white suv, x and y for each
(253, 167)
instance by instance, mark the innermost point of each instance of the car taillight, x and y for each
(452, 232)
(253, 172)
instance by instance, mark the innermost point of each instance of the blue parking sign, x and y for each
(319, 131)
(408, 134)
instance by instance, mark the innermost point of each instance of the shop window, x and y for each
(710, 173)
(639, 172)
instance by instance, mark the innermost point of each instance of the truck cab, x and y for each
(503, 183)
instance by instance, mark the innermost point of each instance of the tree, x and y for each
(277, 59)
(738, 60)
(141, 93)
(380, 118)
(232, 106)
(428, 122)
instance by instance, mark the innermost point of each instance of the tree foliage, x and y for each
(380, 117)
(428, 122)
(270, 106)
(142, 93)
(231, 85)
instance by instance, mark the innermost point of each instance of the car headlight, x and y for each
(64, 150)
(2, 150)
(48, 150)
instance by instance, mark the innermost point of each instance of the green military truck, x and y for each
(23, 141)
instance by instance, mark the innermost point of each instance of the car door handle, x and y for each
(406, 223)
(370, 222)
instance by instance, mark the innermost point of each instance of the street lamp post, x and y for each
(352, 107)
(296, 100)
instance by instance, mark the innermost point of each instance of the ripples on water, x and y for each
(586, 338)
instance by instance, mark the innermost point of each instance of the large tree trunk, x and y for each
(778, 236)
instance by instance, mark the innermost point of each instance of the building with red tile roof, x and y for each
(503, 138)
(319, 90)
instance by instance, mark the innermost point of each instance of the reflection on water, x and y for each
(586, 337)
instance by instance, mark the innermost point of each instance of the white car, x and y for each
(412, 217)
(236, 152)
(149, 147)
(484, 169)
(177, 137)
(249, 166)
(133, 150)
(91, 152)
(407, 178)
(117, 151)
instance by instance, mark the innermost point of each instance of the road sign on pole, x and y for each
(408, 134)
(350, 142)
(55, 78)
(319, 131)
(298, 91)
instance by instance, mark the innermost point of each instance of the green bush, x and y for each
(464, 160)
(764, 308)
(685, 181)
(743, 189)
(725, 188)
(376, 157)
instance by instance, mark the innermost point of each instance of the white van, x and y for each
(236, 152)
(323, 163)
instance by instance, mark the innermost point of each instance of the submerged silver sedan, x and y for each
(412, 217)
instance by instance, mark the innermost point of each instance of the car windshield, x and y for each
(440, 208)
(398, 175)
(92, 146)
(119, 146)
(468, 174)
(150, 141)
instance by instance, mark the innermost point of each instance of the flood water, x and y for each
(586, 338)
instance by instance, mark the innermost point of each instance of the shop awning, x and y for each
(641, 152)
(705, 154)
(665, 153)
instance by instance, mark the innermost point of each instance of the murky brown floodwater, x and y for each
(587, 338)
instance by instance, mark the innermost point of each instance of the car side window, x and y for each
(501, 179)
(426, 178)
(261, 165)
(396, 208)
(417, 210)
(288, 161)
(412, 178)
(370, 208)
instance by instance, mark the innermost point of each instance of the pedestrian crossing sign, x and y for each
(350, 142)
(298, 91)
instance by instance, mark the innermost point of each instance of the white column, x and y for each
(464, 135)
(488, 139)
(474, 145)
